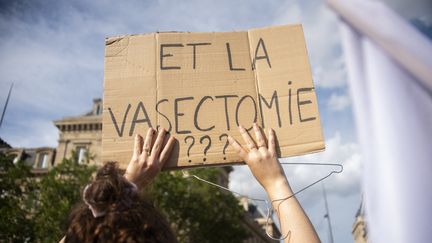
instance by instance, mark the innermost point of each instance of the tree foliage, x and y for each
(16, 188)
(35, 208)
(59, 191)
(197, 211)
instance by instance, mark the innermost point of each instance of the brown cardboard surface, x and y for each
(200, 86)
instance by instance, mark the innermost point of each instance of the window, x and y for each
(82, 154)
(43, 161)
(98, 109)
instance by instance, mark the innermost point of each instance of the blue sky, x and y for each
(53, 53)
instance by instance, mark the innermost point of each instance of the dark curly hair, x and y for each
(128, 217)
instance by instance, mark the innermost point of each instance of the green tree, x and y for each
(34, 209)
(197, 211)
(58, 192)
(16, 188)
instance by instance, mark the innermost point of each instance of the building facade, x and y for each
(81, 136)
(39, 159)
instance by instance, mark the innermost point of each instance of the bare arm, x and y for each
(262, 161)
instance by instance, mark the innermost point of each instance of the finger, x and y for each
(166, 152)
(259, 137)
(137, 145)
(148, 142)
(164, 143)
(250, 144)
(157, 146)
(238, 148)
(271, 141)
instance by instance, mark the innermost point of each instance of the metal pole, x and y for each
(327, 215)
(5, 106)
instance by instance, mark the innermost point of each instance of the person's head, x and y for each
(114, 212)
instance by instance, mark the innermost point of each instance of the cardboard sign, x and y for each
(201, 86)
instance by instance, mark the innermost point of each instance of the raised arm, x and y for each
(262, 161)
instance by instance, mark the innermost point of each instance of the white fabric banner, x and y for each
(393, 110)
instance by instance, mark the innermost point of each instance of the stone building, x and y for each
(359, 230)
(82, 135)
(40, 159)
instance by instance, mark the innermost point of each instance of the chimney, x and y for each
(97, 106)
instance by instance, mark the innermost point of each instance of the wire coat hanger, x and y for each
(269, 205)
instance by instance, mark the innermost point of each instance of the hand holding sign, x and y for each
(148, 157)
(261, 159)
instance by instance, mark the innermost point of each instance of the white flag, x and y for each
(390, 75)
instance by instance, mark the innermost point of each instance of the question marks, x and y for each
(190, 146)
(206, 137)
(226, 143)
(207, 147)
(207, 141)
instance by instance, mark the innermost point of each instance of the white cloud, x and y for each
(338, 102)
(289, 12)
(322, 38)
(330, 73)
(342, 184)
